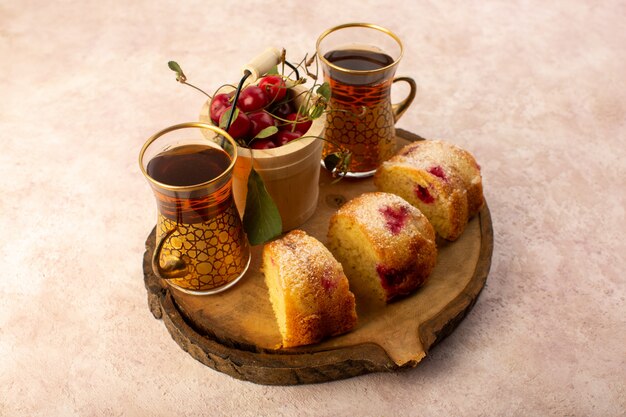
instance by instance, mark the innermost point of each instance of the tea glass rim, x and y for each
(179, 126)
(359, 25)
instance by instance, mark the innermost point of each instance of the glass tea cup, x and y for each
(201, 247)
(359, 61)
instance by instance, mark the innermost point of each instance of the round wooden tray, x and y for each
(235, 332)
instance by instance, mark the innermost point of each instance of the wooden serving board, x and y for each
(235, 332)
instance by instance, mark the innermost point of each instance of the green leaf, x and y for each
(316, 111)
(226, 115)
(268, 131)
(332, 160)
(180, 75)
(261, 219)
(324, 90)
(273, 71)
(347, 158)
(174, 66)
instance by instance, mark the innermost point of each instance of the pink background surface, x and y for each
(534, 89)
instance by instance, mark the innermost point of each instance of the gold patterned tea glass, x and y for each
(201, 247)
(359, 61)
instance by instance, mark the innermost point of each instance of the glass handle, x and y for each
(399, 108)
(174, 268)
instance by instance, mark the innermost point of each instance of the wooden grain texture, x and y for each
(235, 332)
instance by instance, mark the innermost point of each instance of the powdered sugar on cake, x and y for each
(304, 257)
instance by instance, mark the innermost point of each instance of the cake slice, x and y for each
(386, 246)
(440, 179)
(308, 290)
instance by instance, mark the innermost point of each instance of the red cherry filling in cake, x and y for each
(395, 217)
(392, 279)
(328, 280)
(423, 194)
(437, 171)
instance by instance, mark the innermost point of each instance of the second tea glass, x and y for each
(359, 61)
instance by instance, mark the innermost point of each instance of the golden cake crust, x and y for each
(309, 292)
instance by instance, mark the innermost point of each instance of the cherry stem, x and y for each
(199, 89)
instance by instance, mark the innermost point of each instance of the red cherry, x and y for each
(302, 126)
(218, 105)
(259, 120)
(240, 125)
(285, 136)
(262, 144)
(283, 109)
(252, 98)
(274, 86)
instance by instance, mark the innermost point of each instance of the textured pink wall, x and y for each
(534, 89)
